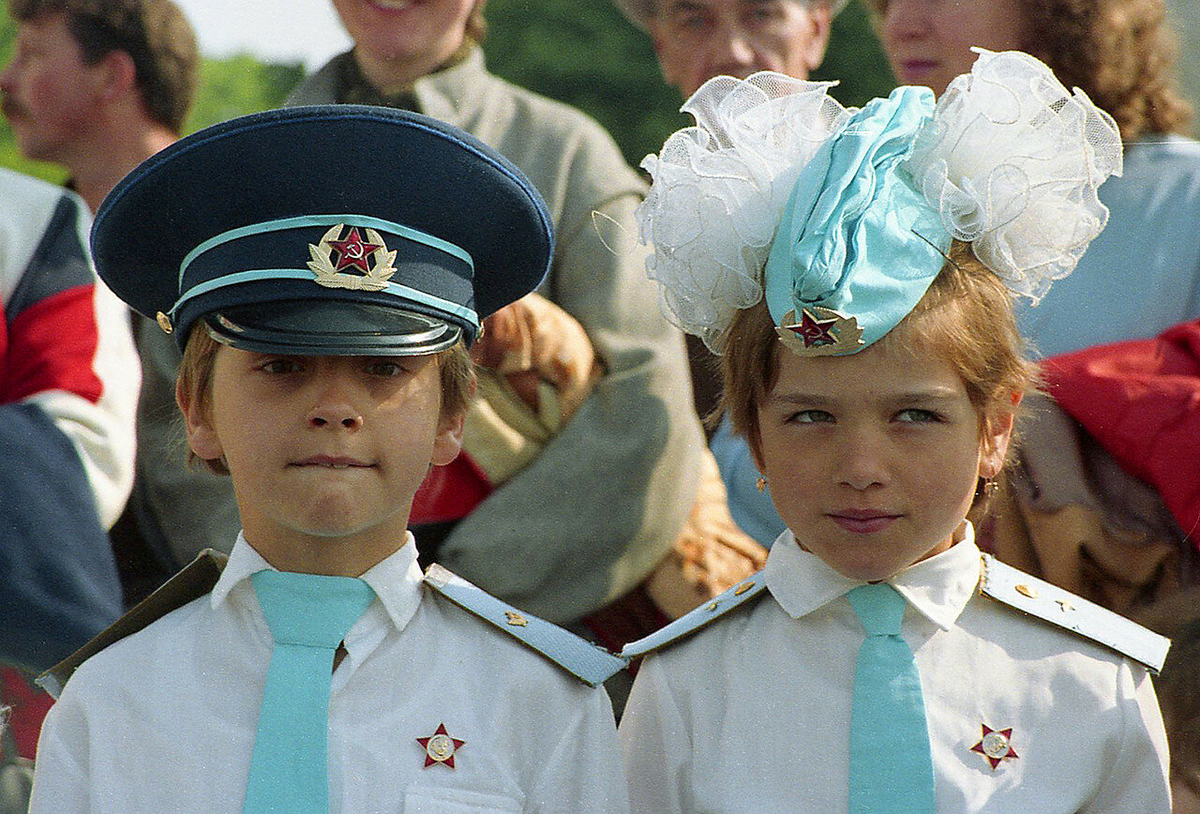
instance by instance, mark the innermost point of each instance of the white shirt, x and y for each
(753, 713)
(164, 720)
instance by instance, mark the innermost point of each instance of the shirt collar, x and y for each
(396, 580)
(938, 587)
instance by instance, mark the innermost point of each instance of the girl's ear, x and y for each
(201, 434)
(997, 434)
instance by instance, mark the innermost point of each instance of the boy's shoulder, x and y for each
(739, 597)
(194, 581)
(587, 662)
(1050, 603)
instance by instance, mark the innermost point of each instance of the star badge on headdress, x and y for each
(440, 747)
(995, 745)
(820, 332)
(354, 255)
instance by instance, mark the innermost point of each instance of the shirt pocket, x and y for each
(443, 800)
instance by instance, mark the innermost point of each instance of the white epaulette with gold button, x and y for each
(582, 659)
(1060, 607)
(739, 596)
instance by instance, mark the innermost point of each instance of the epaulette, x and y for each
(1060, 607)
(739, 596)
(582, 659)
(194, 581)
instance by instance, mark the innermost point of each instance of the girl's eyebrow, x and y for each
(937, 393)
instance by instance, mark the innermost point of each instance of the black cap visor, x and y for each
(330, 328)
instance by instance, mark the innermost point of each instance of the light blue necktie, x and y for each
(890, 766)
(308, 616)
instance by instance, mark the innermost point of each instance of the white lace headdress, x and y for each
(1008, 160)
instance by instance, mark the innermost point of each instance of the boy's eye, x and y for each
(279, 366)
(384, 367)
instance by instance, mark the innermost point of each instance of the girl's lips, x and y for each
(863, 522)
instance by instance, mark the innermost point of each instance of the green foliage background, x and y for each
(583, 52)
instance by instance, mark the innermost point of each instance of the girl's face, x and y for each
(928, 42)
(874, 458)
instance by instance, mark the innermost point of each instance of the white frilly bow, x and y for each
(1010, 161)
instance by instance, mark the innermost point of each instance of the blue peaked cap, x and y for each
(333, 229)
(857, 245)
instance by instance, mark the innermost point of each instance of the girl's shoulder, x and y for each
(1043, 600)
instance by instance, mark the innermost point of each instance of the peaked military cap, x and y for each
(325, 230)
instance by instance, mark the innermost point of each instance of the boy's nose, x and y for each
(333, 407)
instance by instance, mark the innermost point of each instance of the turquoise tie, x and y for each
(890, 766)
(308, 616)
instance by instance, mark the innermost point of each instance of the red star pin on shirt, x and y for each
(440, 747)
(814, 332)
(995, 745)
(353, 251)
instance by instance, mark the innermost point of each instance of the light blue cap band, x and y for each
(304, 221)
(190, 291)
(857, 241)
(256, 275)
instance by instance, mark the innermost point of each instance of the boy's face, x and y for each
(325, 452)
(873, 458)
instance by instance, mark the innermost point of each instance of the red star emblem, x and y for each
(440, 747)
(995, 745)
(814, 332)
(353, 251)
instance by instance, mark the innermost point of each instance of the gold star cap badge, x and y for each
(440, 747)
(995, 745)
(370, 256)
(820, 331)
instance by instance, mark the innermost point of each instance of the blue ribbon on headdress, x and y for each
(856, 236)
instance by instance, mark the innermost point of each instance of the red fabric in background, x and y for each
(29, 706)
(450, 492)
(1141, 401)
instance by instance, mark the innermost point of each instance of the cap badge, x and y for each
(819, 332)
(995, 745)
(335, 257)
(440, 747)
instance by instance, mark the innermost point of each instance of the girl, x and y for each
(854, 270)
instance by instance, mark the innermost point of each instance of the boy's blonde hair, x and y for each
(965, 316)
(456, 371)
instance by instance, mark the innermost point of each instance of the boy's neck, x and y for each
(327, 556)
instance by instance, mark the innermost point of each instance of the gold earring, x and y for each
(761, 484)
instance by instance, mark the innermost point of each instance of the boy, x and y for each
(328, 268)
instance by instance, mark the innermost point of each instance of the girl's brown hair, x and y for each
(965, 316)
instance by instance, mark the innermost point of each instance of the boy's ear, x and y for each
(997, 434)
(449, 439)
(201, 435)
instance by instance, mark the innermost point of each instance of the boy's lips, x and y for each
(332, 462)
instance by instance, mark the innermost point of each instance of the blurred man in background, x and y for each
(96, 86)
